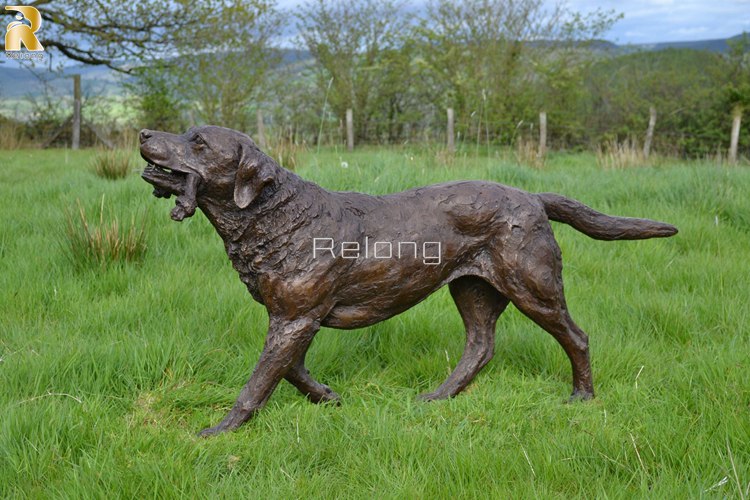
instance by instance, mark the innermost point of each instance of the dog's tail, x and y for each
(601, 226)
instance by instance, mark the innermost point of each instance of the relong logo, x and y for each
(23, 29)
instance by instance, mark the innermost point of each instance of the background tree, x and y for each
(221, 67)
(491, 59)
(738, 58)
(355, 45)
(155, 98)
(215, 73)
(737, 91)
(681, 84)
(398, 106)
(559, 66)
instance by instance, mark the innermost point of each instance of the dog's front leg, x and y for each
(286, 342)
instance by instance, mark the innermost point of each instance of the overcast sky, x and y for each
(673, 20)
(649, 21)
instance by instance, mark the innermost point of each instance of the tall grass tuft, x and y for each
(614, 155)
(527, 153)
(11, 136)
(286, 153)
(113, 165)
(444, 156)
(127, 138)
(104, 244)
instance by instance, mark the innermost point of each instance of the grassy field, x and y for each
(107, 374)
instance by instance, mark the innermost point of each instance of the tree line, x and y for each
(398, 66)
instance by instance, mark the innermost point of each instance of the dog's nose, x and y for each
(145, 135)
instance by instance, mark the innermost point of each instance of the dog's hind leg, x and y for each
(286, 343)
(556, 320)
(480, 305)
(537, 291)
(299, 377)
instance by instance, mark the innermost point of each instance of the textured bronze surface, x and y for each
(317, 258)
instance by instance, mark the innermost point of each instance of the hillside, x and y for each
(720, 45)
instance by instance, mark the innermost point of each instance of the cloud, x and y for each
(647, 21)
(698, 30)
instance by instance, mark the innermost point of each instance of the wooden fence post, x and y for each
(736, 122)
(349, 129)
(649, 132)
(542, 134)
(451, 132)
(261, 130)
(76, 139)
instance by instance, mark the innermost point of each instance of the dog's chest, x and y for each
(243, 266)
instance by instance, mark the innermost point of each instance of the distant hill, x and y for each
(15, 83)
(719, 45)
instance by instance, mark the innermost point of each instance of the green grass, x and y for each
(107, 374)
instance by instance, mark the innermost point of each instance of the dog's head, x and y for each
(213, 163)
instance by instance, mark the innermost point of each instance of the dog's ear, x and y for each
(254, 172)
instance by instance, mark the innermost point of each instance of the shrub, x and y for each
(103, 244)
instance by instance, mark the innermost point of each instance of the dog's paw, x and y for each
(180, 213)
(213, 431)
(184, 208)
(327, 395)
(430, 396)
(580, 396)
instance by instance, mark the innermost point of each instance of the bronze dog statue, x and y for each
(348, 260)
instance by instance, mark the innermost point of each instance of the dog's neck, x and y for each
(271, 217)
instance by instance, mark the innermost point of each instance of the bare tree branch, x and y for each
(106, 32)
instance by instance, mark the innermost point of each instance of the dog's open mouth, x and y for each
(166, 181)
(170, 181)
